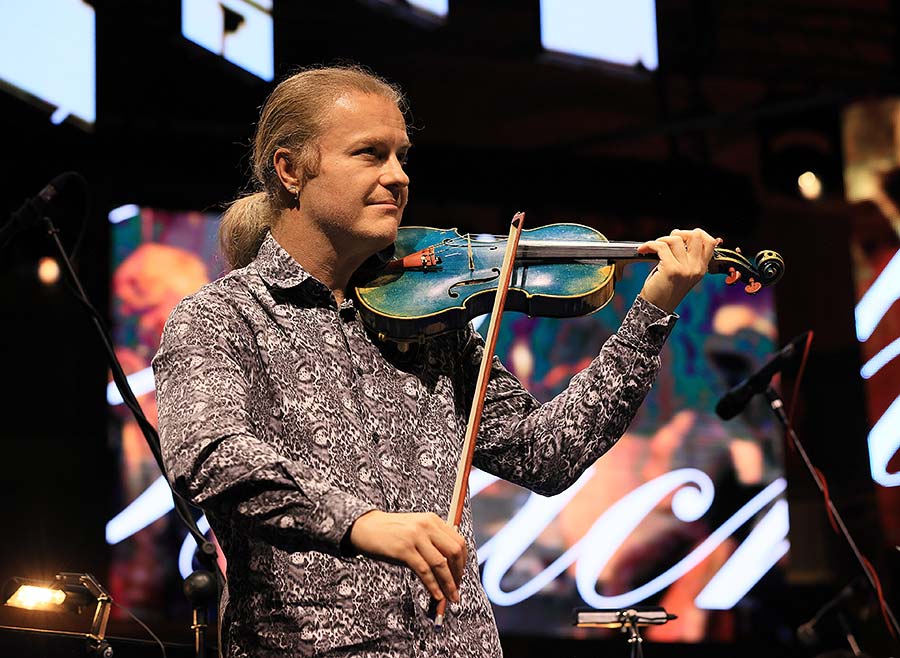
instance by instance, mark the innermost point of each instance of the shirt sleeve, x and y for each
(546, 447)
(211, 449)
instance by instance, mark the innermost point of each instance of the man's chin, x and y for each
(380, 236)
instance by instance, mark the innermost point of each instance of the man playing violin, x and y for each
(324, 458)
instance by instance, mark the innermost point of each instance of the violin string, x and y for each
(449, 245)
(548, 251)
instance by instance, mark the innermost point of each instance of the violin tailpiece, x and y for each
(420, 260)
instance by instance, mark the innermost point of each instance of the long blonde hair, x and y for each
(292, 117)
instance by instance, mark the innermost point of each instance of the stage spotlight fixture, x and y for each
(48, 271)
(67, 592)
(36, 597)
(810, 185)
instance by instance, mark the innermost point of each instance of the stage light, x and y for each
(800, 154)
(123, 213)
(48, 271)
(796, 166)
(67, 592)
(810, 185)
(36, 597)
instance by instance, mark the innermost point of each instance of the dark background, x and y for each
(499, 126)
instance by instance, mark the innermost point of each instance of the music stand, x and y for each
(628, 620)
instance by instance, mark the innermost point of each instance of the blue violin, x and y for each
(439, 279)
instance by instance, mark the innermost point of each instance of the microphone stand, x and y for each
(201, 587)
(777, 406)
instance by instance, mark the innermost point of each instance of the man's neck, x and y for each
(318, 256)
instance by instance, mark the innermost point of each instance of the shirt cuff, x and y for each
(646, 326)
(343, 509)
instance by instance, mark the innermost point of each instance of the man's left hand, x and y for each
(683, 260)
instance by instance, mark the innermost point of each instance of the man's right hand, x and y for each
(422, 541)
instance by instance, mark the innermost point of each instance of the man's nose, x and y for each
(393, 175)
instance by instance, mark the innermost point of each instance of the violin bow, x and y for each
(454, 516)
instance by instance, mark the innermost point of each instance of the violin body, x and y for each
(426, 302)
(439, 279)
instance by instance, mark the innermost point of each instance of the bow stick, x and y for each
(454, 516)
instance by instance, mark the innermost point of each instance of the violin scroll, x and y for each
(770, 266)
(766, 269)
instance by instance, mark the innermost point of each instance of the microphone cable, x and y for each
(796, 391)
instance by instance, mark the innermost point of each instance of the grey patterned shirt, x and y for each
(285, 420)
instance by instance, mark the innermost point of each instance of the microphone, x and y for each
(55, 197)
(806, 632)
(734, 401)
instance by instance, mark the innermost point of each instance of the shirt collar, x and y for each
(280, 271)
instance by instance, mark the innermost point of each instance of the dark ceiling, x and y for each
(494, 117)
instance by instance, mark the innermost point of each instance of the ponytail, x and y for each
(243, 228)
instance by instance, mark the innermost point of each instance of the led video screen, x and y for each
(47, 55)
(622, 33)
(241, 31)
(686, 511)
(872, 186)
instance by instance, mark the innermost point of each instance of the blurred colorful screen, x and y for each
(871, 136)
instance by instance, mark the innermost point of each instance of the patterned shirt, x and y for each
(285, 420)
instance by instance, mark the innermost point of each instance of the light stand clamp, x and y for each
(627, 620)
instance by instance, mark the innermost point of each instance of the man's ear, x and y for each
(286, 170)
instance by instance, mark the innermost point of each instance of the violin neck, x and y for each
(580, 251)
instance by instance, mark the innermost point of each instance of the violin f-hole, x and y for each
(471, 282)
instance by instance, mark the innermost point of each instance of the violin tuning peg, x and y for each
(752, 287)
(733, 276)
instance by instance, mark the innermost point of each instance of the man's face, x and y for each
(358, 196)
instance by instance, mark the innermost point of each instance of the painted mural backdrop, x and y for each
(686, 511)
